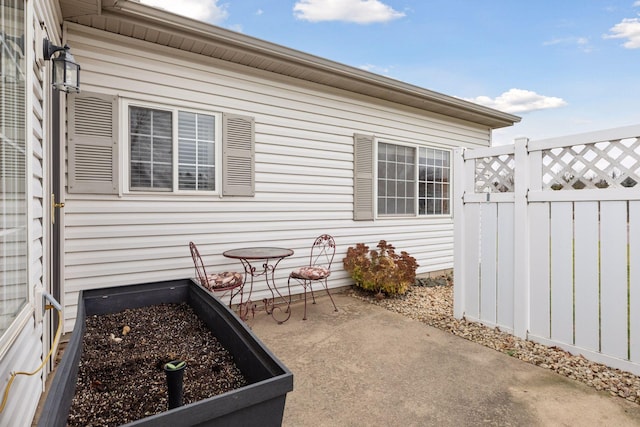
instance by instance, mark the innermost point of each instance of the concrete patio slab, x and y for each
(365, 366)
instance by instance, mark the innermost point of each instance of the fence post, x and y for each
(459, 279)
(521, 283)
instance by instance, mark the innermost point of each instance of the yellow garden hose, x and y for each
(44, 361)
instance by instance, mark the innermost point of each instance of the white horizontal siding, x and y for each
(304, 173)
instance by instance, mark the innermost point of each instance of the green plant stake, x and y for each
(171, 367)
(175, 372)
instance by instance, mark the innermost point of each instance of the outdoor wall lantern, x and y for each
(66, 71)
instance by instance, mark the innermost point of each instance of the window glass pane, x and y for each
(187, 152)
(434, 183)
(206, 178)
(140, 121)
(382, 151)
(196, 168)
(437, 174)
(162, 124)
(162, 150)
(391, 205)
(206, 127)
(430, 191)
(382, 170)
(430, 174)
(391, 153)
(410, 205)
(422, 173)
(401, 171)
(411, 189)
(391, 188)
(162, 176)
(140, 148)
(445, 174)
(141, 175)
(188, 177)
(205, 154)
(187, 125)
(151, 148)
(13, 165)
(396, 174)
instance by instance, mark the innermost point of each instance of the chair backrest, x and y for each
(201, 273)
(322, 251)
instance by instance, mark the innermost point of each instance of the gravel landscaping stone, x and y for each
(433, 305)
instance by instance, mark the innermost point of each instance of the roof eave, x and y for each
(342, 76)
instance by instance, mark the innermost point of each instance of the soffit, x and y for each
(132, 19)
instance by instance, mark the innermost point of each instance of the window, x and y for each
(434, 172)
(197, 151)
(13, 158)
(167, 149)
(400, 187)
(172, 150)
(396, 179)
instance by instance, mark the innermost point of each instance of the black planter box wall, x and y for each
(261, 402)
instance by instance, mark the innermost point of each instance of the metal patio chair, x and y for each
(319, 269)
(226, 281)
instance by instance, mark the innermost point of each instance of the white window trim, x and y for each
(18, 324)
(125, 152)
(26, 314)
(415, 146)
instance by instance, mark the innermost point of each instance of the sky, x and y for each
(563, 66)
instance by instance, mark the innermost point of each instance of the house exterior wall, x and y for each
(303, 172)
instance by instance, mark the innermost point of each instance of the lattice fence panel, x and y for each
(495, 174)
(608, 164)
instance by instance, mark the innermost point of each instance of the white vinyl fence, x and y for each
(547, 242)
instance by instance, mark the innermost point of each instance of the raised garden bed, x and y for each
(260, 402)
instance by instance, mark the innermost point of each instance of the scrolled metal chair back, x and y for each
(323, 251)
(201, 273)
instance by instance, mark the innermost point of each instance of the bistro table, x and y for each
(270, 258)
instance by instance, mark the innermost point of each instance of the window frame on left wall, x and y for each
(175, 111)
(15, 153)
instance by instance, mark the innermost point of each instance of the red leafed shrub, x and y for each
(381, 270)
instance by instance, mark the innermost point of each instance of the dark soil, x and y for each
(121, 377)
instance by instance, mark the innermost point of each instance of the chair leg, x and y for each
(304, 317)
(312, 294)
(326, 287)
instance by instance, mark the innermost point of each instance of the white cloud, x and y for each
(358, 11)
(636, 4)
(581, 42)
(375, 69)
(520, 101)
(628, 29)
(202, 10)
(236, 27)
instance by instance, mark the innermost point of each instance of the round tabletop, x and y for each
(258, 253)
